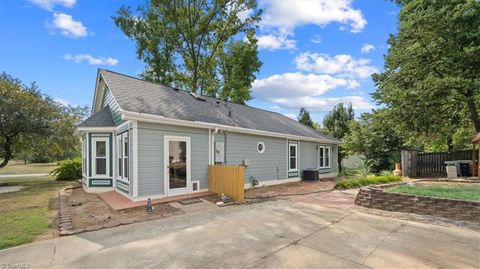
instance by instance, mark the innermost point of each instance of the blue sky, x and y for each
(315, 53)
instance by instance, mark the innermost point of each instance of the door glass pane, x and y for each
(101, 166)
(321, 157)
(327, 156)
(120, 170)
(125, 161)
(177, 164)
(293, 152)
(101, 149)
(293, 164)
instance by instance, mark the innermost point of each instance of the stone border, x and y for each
(375, 197)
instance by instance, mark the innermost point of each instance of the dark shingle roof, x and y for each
(140, 96)
(102, 118)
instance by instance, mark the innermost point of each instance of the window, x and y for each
(261, 147)
(324, 156)
(122, 155)
(292, 156)
(100, 156)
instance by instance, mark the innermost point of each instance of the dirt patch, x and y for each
(92, 213)
(293, 188)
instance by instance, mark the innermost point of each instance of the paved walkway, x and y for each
(274, 234)
(24, 175)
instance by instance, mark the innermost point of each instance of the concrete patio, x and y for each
(275, 234)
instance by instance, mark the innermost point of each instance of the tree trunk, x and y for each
(450, 143)
(8, 153)
(473, 112)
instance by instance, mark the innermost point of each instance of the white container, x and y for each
(452, 171)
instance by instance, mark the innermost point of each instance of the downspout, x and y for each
(225, 147)
(212, 146)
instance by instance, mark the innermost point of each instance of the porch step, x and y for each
(117, 201)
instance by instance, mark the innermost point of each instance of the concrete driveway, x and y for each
(275, 234)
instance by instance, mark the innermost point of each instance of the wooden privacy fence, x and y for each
(415, 164)
(228, 180)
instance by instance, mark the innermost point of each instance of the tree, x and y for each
(207, 47)
(336, 124)
(23, 112)
(304, 117)
(375, 140)
(431, 80)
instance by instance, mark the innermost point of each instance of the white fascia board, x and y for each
(128, 115)
(82, 130)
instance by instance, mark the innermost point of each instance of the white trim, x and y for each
(286, 180)
(291, 143)
(122, 125)
(134, 180)
(97, 189)
(188, 188)
(82, 130)
(273, 182)
(263, 147)
(129, 115)
(209, 146)
(94, 157)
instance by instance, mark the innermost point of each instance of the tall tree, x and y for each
(373, 138)
(23, 112)
(431, 79)
(304, 117)
(336, 123)
(207, 47)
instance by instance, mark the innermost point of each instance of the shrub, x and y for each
(364, 181)
(70, 169)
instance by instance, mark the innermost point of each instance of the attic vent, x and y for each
(196, 96)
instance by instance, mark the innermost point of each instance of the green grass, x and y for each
(26, 214)
(364, 181)
(16, 167)
(466, 192)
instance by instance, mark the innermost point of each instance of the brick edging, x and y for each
(375, 197)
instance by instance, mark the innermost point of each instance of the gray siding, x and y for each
(109, 100)
(150, 156)
(270, 165)
(308, 154)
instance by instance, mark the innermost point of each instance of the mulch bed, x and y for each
(88, 212)
(292, 188)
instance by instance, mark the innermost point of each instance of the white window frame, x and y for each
(263, 147)
(84, 156)
(120, 140)
(94, 156)
(325, 155)
(295, 144)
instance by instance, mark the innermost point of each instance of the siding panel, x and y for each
(109, 100)
(150, 156)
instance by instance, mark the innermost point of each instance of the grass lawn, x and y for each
(365, 181)
(459, 191)
(16, 167)
(26, 214)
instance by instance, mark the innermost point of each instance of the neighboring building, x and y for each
(149, 140)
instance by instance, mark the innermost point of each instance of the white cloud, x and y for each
(61, 101)
(290, 14)
(68, 26)
(291, 85)
(50, 4)
(275, 41)
(324, 104)
(366, 48)
(342, 65)
(317, 39)
(78, 58)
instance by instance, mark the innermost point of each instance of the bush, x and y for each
(70, 169)
(359, 182)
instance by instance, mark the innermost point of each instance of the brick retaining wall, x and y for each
(376, 197)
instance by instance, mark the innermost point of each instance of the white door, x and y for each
(177, 165)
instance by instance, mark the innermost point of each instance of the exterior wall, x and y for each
(270, 165)
(109, 100)
(151, 160)
(123, 185)
(308, 155)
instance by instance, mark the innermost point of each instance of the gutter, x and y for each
(143, 117)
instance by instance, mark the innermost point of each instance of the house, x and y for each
(148, 140)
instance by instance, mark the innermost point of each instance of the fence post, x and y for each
(409, 163)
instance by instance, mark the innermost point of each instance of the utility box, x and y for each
(219, 152)
(452, 171)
